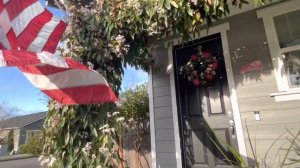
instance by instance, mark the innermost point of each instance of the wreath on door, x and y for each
(201, 69)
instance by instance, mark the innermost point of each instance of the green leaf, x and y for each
(161, 3)
(173, 3)
(67, 137)
(167, 4)
(190, 11)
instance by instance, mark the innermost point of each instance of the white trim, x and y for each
(286, 96)
(174, 110)
(267, 15)
(233, 95)
(222, 28)
(152, 122)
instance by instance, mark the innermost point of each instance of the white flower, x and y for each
(108, 114)
(194, 2)
(45, 162)
(116, 113)
(120, 39)
(88, 147)
(93, 156)
(120, 119)
(131, 120)
(41, 157)
(103, 150)
(104, 126)
(134, 4)
(118, 46)
(52, 161)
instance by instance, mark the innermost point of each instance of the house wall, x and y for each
(247, 43)
(37, 125)
(16, 134)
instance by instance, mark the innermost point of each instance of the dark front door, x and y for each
(205, 112)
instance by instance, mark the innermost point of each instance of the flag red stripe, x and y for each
(15, 7)
(42, 70)
(11, 36)
(1, 46)
(1, 5)
(82, 95)
(54, 38)
(75, 64)
(19, 58)
(33, 29)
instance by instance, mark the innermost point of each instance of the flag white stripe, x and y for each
(4, 40)
(43, 36)
(72, 78)
(4, 21)
(52, 59)
(2, 60)
(23, 19)
(5, 1)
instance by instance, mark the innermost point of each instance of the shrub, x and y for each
(34, 145)
(10, 141)
(135, 103)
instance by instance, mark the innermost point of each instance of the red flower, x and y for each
(214, 65)
(209, 76)
(194, 57)
(206, 55)
(196, 82)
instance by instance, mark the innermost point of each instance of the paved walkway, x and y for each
(21, 163)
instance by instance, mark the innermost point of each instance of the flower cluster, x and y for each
(118, 45)
(47, 160)
(200, 69)
(87, 147)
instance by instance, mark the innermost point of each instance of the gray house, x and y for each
(258, 86)
(19, 129)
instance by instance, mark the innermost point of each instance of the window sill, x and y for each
(286, 96)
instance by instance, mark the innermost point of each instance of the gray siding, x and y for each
(247, 42)
(37, 125)
(163, 117)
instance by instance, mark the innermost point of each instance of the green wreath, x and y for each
(201, 69)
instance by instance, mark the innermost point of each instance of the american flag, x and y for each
(29, 35)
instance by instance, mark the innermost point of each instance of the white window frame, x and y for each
(285, 92)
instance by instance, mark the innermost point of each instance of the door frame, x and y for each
(222, 29)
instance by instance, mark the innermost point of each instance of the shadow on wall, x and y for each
(251, 64)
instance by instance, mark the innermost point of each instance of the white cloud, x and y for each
(133, 77)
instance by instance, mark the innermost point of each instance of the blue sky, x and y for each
(18, 92)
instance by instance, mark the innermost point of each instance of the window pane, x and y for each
(288, 29)
(292, 65)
